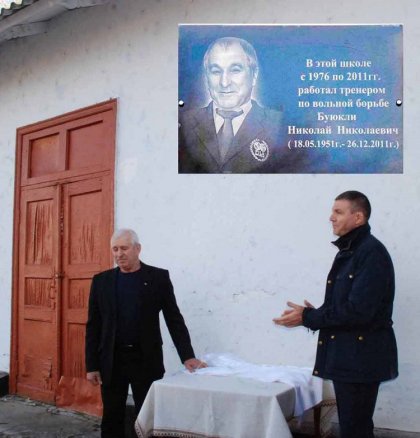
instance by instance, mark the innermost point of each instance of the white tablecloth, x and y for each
(183, 406)
(308, 388)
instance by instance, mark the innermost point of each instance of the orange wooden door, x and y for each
(86, 248)
(63, 222)
(38, 289)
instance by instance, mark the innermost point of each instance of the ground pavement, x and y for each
(24, 418)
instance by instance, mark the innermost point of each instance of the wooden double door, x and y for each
(63, 222)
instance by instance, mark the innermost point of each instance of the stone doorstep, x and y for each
(4, 383)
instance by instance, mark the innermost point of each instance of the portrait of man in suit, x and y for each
(233, 133)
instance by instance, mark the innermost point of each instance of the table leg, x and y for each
(317, 420)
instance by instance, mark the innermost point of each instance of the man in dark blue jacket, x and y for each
(356, 346)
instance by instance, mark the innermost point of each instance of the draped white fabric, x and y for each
(181, 406)
(308, 388)
(229, 399)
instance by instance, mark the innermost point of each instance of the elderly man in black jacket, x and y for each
(356, 345)
(123, 338)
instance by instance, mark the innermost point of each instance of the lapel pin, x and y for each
(259, 149)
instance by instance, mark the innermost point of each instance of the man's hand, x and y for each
(94, 377)
(194, 364)
(292, 317)
(308, 304)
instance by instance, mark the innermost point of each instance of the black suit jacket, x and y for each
(199, 149)
(157, 295)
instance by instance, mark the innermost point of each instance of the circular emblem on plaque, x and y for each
(259, 149)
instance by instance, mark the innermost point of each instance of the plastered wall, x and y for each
(237, 246)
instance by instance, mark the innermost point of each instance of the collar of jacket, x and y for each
(145, 268)
(352, 238)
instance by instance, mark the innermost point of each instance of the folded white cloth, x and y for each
(308, 388)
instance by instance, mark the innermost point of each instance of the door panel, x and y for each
(85, 138)
(38, 289)
(87, 229)
(85, 253)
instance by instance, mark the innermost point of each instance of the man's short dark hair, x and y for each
(358, 200)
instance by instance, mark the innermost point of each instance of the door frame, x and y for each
(20, 183)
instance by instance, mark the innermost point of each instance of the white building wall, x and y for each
(237, 246)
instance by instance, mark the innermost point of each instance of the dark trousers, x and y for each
(356, 405)
(128, 369)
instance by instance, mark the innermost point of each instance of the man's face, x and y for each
(343, 218)
(229, 76)
(126, 254)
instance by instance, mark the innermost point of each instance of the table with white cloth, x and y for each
(216, 406)
(230, 398)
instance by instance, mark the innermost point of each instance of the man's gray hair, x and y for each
(227, 42)
(125, 231)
